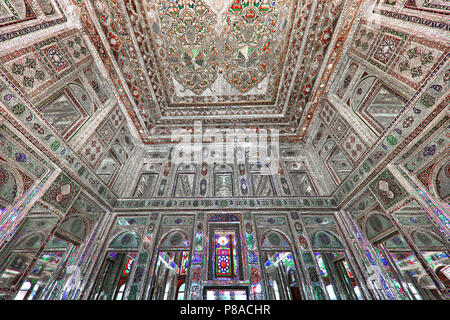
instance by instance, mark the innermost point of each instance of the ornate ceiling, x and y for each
(216, 52)
(230, 63)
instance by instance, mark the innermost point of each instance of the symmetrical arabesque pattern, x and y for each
(159, 84)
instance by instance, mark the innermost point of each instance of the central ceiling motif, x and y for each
(227, 62)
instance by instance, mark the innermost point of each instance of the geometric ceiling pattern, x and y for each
(228, 63)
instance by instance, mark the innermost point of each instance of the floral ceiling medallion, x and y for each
(238, 41)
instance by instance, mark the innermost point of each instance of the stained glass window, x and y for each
(288, 261)
(37, 268)
(435, 258)
(166, 259)
(225, 254)
(170, 275)
(51, 257)
(223, 262)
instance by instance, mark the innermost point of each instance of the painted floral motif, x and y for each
(386, 48)
(387, 189)
(62, 192)
(202, 42)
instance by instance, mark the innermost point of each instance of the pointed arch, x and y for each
(324, 239)
(125, 240)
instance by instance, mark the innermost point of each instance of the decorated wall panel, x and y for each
(34, 68)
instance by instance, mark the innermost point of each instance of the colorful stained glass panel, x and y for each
(223, 262)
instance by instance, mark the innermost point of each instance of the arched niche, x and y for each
(360, 91)
(82, 96)
(171, 266)
(301, 180)
(426, 282)
(147, 180)
(404, 264)
(174, 239)
(339, 164)
(25, 253)
(15, 262)
(397, 243)
(336, 269)
(74, 229)
(151, 167)
(30, 241)
(47, 7)
(376, 224)
(346, 79)
(279, 267)
(223, 167)
(20, 9)
(113, 278)
(326, 148)
(262, 180)
(126, 138)
(109, 168)
(185, 180)
(295, 166)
